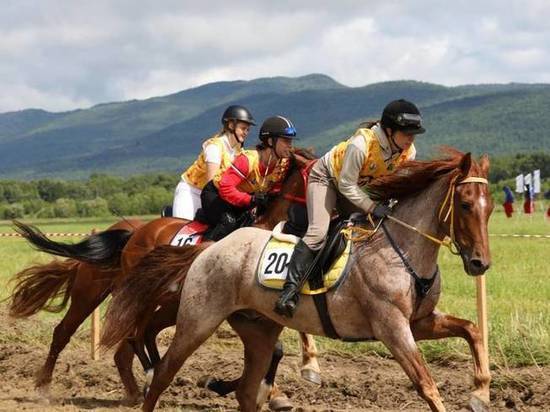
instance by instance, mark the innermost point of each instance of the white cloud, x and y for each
(58, 54)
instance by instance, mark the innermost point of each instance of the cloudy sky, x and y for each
(65, 54)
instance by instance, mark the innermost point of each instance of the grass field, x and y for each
(517, 285)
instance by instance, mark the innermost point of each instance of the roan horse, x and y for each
(97, 264)
(382, 297)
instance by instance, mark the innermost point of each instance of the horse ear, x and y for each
(465, 164)
(484, 163)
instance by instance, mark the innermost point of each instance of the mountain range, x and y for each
(165, 133)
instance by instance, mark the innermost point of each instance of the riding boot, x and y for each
(299, 263)
(228, 223)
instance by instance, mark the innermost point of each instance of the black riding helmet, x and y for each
(402, 115)
(277, 126)
(240, 113)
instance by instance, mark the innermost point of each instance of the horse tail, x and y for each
(103, 248)
(39, 287)
(157, 279)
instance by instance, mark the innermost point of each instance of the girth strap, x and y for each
(422, 285)
(322, 309)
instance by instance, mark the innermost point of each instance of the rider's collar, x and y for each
(384, 141)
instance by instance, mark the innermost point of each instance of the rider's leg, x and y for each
(321, 199)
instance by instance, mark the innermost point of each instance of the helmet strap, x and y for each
(393, 143)
(274, 147)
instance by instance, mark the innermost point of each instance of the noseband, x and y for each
(448, 203)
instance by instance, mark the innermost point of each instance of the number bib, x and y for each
(190, 234)
(274, 264)
(273, 267)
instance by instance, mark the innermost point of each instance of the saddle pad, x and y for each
(190, 234)
(273, 267)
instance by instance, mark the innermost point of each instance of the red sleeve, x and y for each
(231, 179)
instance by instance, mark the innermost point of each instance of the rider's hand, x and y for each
(260, 199)
(380, 211)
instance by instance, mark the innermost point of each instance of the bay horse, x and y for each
(84, 284)
(383, 298)
(106, 258)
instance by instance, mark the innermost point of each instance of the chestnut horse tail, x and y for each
(103, 248)
(39, 287)
(157, 279)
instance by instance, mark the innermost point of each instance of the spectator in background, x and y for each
(529, 202)
(508, 201)
(547, 197)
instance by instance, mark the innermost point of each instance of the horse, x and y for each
(384, 297)
(85, 284)
(114, 253)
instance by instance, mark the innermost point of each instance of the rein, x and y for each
(304, 171)
(423, 285)
(448, 241)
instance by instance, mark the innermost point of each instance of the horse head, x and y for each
(472, 206)
(293, 189)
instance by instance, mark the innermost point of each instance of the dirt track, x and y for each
(366, 383)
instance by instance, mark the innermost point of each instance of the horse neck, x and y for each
(422, 212)
(278, 208)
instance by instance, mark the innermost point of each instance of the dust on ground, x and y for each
(359, 383)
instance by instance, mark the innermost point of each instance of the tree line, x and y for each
(99, 195)
(106, 195)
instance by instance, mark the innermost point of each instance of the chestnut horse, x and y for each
(105, 260)
(383, 298)
(85, 284)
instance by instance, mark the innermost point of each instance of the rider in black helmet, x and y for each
(253, 175)
(217, 154)
(376, 149)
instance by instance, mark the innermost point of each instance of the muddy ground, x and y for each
(365, 383)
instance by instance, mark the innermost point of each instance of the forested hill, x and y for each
(164, 133)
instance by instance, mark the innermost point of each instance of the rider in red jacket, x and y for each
(245, 185)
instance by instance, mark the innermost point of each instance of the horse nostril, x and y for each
(478, 266)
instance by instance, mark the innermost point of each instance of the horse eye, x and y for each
(465, 206)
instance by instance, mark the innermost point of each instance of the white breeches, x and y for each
(187, 200)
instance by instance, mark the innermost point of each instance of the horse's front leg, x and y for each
(310, 365)
(398, 338)
(440, 325)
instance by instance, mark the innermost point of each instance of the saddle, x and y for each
(328, 270)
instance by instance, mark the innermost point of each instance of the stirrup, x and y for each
(286, 305)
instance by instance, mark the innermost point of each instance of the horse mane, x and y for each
(413, 176)
(304, 152)
(300, 158)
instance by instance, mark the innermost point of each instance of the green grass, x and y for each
(518, 291)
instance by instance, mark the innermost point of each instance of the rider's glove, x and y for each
(380, 211)
(259, 200)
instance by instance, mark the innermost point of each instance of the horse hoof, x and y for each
(280, 403)
(145, 390)
(477, 405)
(131, 400)
(44, 393)
(311, 376)
(205, 381)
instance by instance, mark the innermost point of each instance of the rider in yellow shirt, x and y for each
(337, 178)
(217, 154)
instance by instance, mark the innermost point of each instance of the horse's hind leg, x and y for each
(191, 331)
(124, 357)
(438, 326)
(278, 401)
(163, 318)
(259, 337)
(310, 365)
(86, 294)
